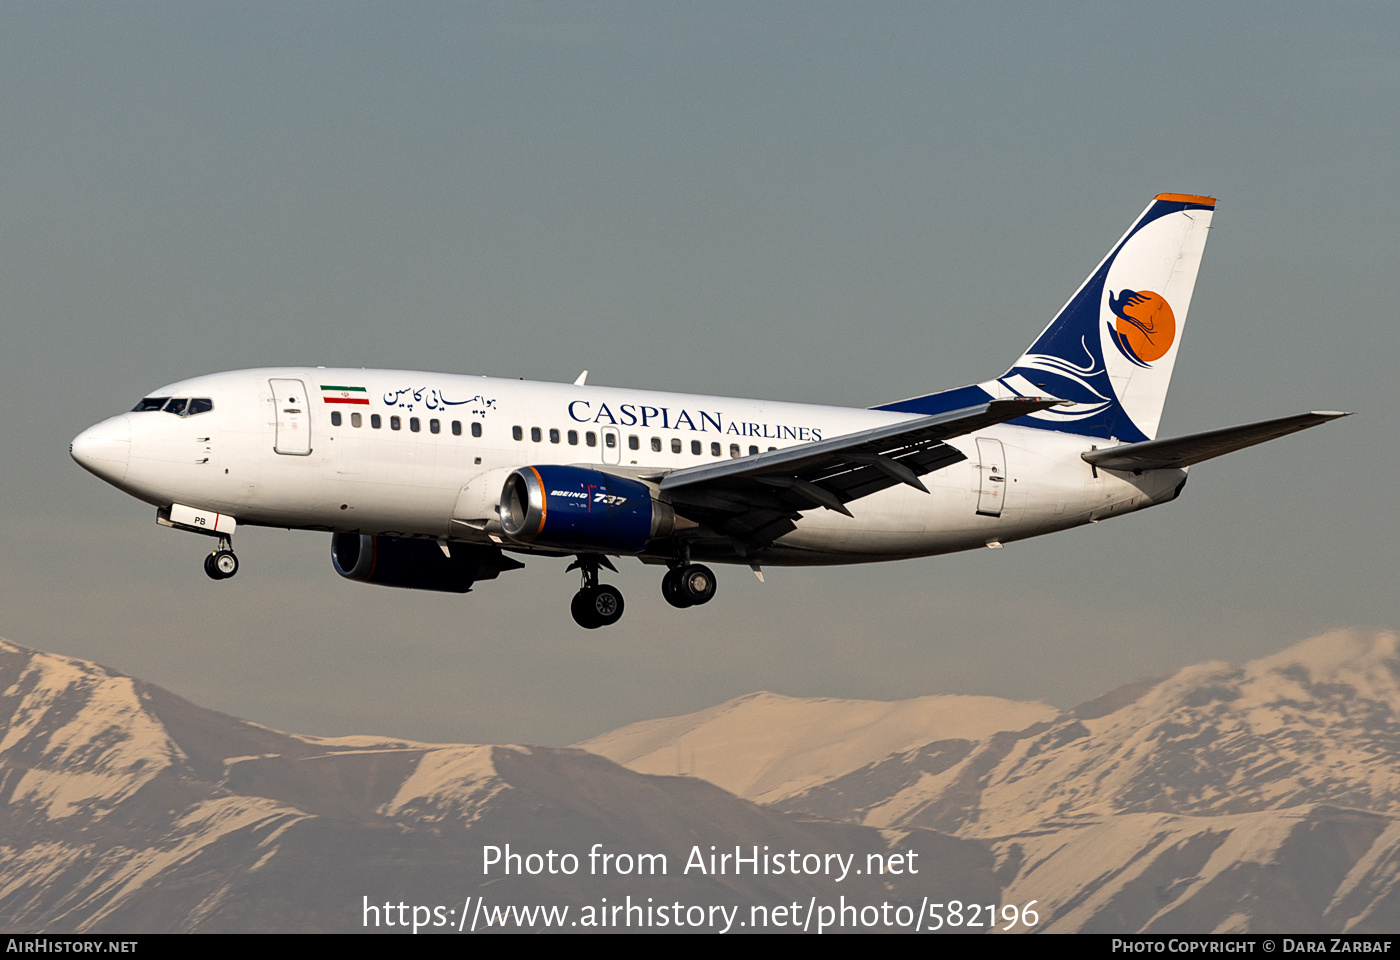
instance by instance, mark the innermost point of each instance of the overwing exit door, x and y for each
(612, 445)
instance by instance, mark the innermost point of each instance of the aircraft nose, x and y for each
(104, 448)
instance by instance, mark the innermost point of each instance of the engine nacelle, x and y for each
(581, 509)
(416, 564)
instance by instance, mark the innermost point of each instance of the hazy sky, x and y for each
(831, 203)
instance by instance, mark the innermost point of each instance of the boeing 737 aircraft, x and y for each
(437, 481)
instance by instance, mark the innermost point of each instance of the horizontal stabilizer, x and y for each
(1184, 451)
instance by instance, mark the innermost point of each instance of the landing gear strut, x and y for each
(595, 605)
(222, 563)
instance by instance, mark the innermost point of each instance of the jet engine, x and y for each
(416, 564)
(576, 508)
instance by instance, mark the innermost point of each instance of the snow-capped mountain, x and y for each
(766, 747)
(124, 808)
(1261, 797)
(1256, 797)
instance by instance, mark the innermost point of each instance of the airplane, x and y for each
(438, 481)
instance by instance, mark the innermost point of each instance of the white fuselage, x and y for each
(400, 481)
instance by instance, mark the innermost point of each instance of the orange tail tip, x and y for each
(1186, 198)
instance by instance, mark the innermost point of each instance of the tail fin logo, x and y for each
(1146, 326)
(1110, 350)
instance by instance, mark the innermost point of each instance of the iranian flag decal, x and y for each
(330, 394)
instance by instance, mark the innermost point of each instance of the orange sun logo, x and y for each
(1146, 326)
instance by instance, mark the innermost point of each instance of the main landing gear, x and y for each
(688, 585)
(595, 605)
(222, 563)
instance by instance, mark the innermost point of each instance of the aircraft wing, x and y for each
(1195, 447)
(756, 499)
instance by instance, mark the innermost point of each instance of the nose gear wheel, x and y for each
(222, 563)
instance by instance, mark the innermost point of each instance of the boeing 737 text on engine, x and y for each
(438, 481)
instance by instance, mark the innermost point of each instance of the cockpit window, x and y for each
(180, 406)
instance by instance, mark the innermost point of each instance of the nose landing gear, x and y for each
(595, 605)
(222, 563)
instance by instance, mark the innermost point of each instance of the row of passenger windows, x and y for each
(415, 425)
(634, 442)
(590, 438)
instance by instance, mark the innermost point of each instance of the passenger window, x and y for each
(414, 424)
(517, 433)
(752, 450)
(553, 435)
(771, 449)
(149, 403)
(356, 420)
(535, 434)
(476, 429)
(675, 444)
(714, 449)
(590, 438)
(573, 438)
(335, 418)
(610, 440)
(656, 444)
(200, 405)
(733, 451)
(435, 426)
(633, 443)
(375, 421)
(395, 423)
(695, 447)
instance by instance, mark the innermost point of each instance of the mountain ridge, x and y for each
(1263, 796)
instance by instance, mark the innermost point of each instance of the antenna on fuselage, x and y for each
(581, 378)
